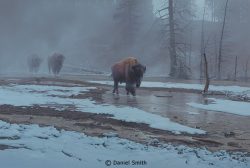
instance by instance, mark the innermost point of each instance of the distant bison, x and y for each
(55, 63)
(34, 62)
(130, 71)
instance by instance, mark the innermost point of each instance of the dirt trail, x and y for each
(224, 131)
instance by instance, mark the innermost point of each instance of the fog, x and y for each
(44, 27)
(93, 34)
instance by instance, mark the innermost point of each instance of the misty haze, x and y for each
(124, 83)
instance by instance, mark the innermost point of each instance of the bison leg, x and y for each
(127, 90)
(130, 88)
(132, 91)
(115, 90)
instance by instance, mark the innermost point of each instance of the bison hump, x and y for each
(130, 61)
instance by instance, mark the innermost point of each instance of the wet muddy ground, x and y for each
(224, 131)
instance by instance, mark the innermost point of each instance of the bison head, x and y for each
(138, 71)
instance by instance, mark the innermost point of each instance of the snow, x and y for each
(39, 147)
(105, 82)
(28, 95)
(226, 89)
(52, 96)
(54, 90)
(228, 106)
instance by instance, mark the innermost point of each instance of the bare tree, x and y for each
(206, 74)
(177, 18)
(246, 70)
(202, 42)
(221, 40)
(215, 55)
(172, 47)
(235, 68)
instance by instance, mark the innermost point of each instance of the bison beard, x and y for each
(55, 63)
(128, 71)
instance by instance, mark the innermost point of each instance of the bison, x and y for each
(55, 63)
(130, 71)
(34, 62)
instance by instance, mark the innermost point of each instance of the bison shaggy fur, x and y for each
(55, 63)
(130, 71)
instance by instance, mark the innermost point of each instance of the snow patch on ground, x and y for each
(54, 90)
(228, 106)
(29, 95)
(36, 146)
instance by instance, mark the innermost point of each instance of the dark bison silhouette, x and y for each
(34, 62)
(55, 63)
(130, 71)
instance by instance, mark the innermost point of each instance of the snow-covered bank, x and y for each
(200, 87)
(35, 146)
(29, 95)
(228, 106)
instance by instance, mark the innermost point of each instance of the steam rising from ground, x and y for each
(44, 27)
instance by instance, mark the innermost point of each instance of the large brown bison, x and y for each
(130, 71)
(55, 63)
(34, 62)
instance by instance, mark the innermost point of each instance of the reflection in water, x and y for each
(122, 100)
(173, 106)
(132, 101)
